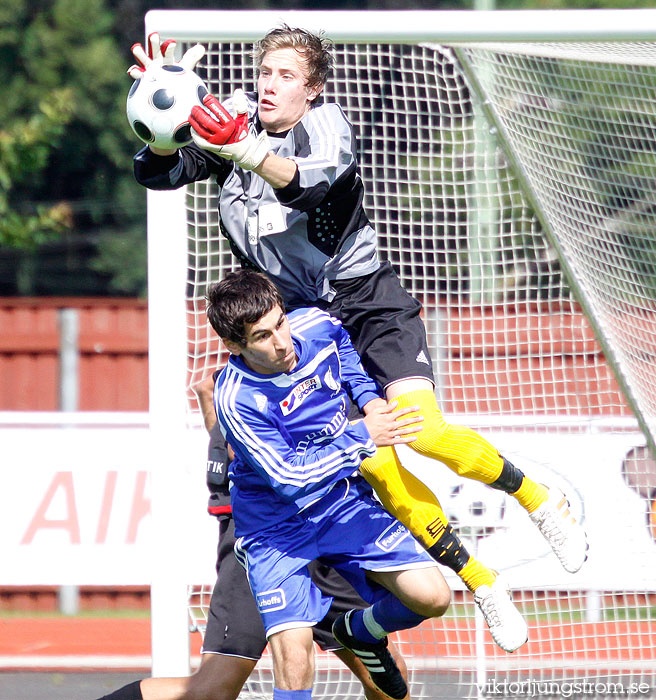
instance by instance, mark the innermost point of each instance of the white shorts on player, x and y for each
(347, 529)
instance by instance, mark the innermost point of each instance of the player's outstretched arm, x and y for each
(277, 171)
(215, 130)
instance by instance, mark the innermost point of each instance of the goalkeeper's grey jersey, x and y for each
(305, 235)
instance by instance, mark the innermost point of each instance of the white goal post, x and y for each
(509, 160)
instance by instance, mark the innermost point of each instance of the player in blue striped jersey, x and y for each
(282, 402)
(291, 432)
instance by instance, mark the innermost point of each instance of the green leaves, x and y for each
(65, 145)
(25, 147)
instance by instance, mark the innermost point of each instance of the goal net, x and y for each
(512, 186)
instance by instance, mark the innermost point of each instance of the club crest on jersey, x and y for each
(298, 394)
(268, 601)
(330, 381)
(260, 401)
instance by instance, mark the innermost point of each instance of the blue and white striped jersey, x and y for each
(289, 431)
(305, 235)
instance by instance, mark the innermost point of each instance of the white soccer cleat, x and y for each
(507, 626)
(564, 534)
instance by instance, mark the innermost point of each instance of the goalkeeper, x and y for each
(291, 205)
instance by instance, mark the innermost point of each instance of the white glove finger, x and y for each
(140, 54)
(239, 101)
(135, 72)
(169, 53)
(192, 56)
(154, 45)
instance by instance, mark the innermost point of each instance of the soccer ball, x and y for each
(475, 510)
(160, 102)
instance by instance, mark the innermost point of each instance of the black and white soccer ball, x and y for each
(160, 102)
(475, 510)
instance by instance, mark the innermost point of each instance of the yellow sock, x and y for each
(417, 507)
(475, 574)
(531, 495)
(460, 448)
(463, 450)
(404, 496)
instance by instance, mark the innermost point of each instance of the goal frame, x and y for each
(167, 262)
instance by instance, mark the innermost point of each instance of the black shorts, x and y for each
(385, 325)
(234, 625)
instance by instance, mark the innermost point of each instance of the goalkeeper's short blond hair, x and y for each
(314, 48)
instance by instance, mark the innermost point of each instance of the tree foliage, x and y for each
(25, 147)
(65, 147)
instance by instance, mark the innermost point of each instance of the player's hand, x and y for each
(389, 426)
(371, 405)
(162, 54)
(214, 129)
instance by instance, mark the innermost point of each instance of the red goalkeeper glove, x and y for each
(214, 129)
(162, 54)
